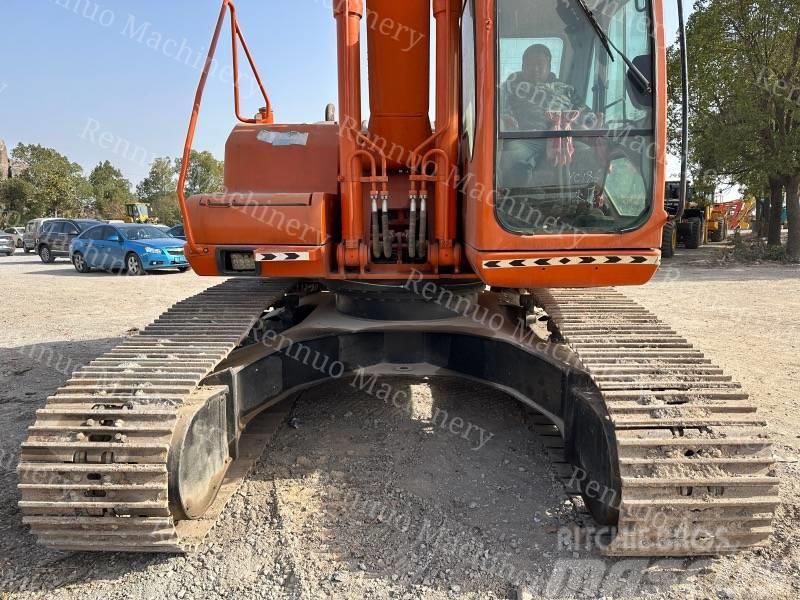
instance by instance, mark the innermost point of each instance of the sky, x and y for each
(115, 79)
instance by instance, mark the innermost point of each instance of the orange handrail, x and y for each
(266, 115)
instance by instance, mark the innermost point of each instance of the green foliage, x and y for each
(166, 209)
(161, 181)
(110, 190)
(206, 173)
(159, 187)
(14, 194)
(55, 185)
(158, 190)
(738, 49)
(744, 68)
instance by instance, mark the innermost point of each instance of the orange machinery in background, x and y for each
(737, 214)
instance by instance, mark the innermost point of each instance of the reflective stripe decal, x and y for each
(282, 256)
(565, 261)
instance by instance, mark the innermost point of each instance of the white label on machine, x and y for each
(283, 138)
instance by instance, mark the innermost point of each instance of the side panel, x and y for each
(298, 158)
(298, 229)
(262, 219)
(281, 198)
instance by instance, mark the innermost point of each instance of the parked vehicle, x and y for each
(8, 245)
(31, 236)
(16, 233)
(178, 232)
(139, 212)
(56, 236)
(133, 247)
(697, 226)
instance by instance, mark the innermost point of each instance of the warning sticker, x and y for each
(283, 138)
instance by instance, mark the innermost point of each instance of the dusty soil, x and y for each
(362, 498)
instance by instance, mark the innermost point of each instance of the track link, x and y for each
(94, 470)
(695, 461)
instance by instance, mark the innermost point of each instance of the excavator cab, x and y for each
(479, 244)
(568, 100)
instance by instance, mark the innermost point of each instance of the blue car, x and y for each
(135, 248)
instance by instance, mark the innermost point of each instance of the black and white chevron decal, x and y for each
(282, 256)
(565, 261)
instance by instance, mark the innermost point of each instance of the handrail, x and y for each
(236, 33)
(266, 115)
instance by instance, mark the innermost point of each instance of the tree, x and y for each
(167, 209)
(206, 173)
(52, 184)
(159, 188)
(14, 209)
(160, 181)
(745, 102)
(110, 190)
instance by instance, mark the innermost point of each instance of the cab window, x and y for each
(576, 148)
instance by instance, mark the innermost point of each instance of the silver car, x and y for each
(16, 233)
(8, 245)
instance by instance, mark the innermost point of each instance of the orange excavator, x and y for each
(485, 244)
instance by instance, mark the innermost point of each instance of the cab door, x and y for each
(114, 244)
(93, 248)
(70, 232)
(54, 236)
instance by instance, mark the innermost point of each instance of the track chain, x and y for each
(94, 469)
(695, 460)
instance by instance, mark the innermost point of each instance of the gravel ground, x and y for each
(365, 499)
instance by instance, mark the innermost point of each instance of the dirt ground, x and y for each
(364, 499)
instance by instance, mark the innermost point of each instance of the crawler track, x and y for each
(695, 460)
(695, 464)
(94, 470)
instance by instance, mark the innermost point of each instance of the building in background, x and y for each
(5, 163)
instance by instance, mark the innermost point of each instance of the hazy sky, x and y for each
(115, 79)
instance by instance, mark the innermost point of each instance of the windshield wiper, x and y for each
(608, 45)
